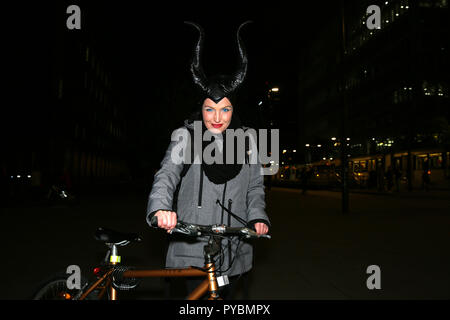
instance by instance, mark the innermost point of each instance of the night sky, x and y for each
(147, 48)
(149, 45)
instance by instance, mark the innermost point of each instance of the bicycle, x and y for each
(111, 277)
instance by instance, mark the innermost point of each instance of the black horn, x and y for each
(218, 86)
(240, 73)
(196, 68)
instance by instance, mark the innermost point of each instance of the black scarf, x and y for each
(220, 173)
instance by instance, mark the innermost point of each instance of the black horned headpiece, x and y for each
(219, 86)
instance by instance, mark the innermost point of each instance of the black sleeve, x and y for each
(251, 223)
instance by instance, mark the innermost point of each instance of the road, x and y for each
(315, 252)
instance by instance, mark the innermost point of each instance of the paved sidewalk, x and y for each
(318, 253)
(315, 252)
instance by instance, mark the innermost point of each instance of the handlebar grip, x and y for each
(154, 222)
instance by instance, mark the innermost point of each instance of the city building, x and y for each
(381, 92)
(77, 127)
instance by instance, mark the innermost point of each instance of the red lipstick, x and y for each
(216, 125)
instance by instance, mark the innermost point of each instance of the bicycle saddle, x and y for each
(115, 237)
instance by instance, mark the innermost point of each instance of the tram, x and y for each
(382, 171)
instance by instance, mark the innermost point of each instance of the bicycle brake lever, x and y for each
(183, 229)
(180, 230)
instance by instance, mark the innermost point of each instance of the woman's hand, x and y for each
(261, 228)
(166, 219)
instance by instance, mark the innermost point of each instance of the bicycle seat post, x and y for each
(114, 259)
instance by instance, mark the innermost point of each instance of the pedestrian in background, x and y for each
(389, 178)
(380, 178)
(397, 177)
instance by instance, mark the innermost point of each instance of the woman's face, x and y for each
(217, 116)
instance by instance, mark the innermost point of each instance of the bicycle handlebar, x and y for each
(196, 230)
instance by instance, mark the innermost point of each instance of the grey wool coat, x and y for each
(196, 203)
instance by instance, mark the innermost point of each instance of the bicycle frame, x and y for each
(208, 285)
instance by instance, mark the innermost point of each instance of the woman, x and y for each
(200, 194)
